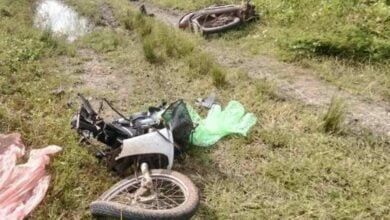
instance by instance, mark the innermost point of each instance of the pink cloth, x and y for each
(22, 186)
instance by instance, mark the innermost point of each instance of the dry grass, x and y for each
(219, 77)
(305, 32)
(287, 168)
(334, 117)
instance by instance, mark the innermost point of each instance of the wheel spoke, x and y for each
(170, 190)
(170, 199)
(167, 204)
(168, 194)
(157, 203)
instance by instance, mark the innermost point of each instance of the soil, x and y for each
(302, 85)
(107, 17)
(100, 76)
(97, 75)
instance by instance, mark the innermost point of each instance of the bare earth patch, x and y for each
(107, 16)
(99, 76)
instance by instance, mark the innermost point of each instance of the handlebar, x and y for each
(87, 106)
(116, 111)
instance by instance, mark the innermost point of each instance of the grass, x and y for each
(104, 40)
(31, 68)
(288, 167)
(201, 64)
(159, 42)
(334, 117)
(339, 40)
(352, 43)
(219, 77)
(149, 51)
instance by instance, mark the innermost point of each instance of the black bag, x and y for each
(178, 119)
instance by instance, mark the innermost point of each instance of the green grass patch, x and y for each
(345, 42)
(159, 41)
(287, 167)
(354, 44)
(104, 40)
(31, 67)
(149, 50)
(267, 89)
(219, 77)
(200, 64)
(335, 116)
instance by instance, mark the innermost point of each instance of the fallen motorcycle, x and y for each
(149, 142)
(217, 19)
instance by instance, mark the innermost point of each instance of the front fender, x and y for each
(150, 143)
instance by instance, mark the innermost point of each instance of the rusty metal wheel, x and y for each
(174, 197)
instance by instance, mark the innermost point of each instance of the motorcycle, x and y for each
(147, 142)
(216, 19)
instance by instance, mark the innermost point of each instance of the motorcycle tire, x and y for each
(192, 19)
(212, 30)
(185, 20)
(110, 204)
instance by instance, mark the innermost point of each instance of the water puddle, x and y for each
(60, 19)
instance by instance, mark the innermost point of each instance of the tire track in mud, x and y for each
(301, 84)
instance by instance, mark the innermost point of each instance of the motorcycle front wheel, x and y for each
(174, 197)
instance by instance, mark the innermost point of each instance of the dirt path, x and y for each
(107, 16)
(100, 76)
(301, 84)
(95, 75)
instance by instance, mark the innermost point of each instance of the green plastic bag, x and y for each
(218, 123)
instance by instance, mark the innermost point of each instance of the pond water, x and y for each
(61, 19)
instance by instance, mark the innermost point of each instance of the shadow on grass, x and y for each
(206, 212)
(199, 166)
(237, 33)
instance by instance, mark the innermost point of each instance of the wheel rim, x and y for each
(168, 193)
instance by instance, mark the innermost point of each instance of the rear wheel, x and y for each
(174, 196)
(233, 22)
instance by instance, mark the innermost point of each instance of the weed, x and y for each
(334, 117)
(128, 21)
(266, 88)
(173, 45)
(157, 38)
(57, 45)
(149, 50)
(167, 41)
(5, 13)
(218, 76)
(146, 28)
(200, 64)
(103, 40)
(335, 31)
(296, 174)
(352, 43)
(277, 138)
(48, 38)
(135, 21)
